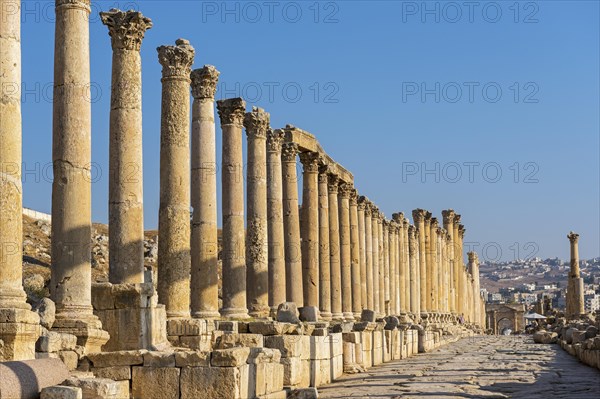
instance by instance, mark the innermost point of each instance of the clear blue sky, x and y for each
(369, 74)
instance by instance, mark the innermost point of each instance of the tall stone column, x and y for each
(575, 303)
(434, 269)
(19, 327)
(257, 241)
(355, 256)
(231, 112)
(386, 265)
(403, 290)
(449, 276)
(362, 244)
(291, 225)
(126, 205)
(310, 230)
(413, 246)
(369, 255)
(174, 262)
(345, 250)
(459, 268)
(205, 246)
(448, 216)
(428, 261)
(381, 269)
(393, 282)
(334, 249)
(419, 219)
(71, 280)
(277, 280)
(375, 239)
(324, 265)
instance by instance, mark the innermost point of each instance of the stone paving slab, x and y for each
(478, 367)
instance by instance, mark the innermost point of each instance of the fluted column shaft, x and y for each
(257, 264)
(204, 245)
(231, 113)
(324, 256)
(355, 256)
(369, 256)
(291, 225)
(310, 228)
(334, 249)
(362, 244)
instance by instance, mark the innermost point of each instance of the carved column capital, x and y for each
(231, 111)
(345, 190)
(573, 237)
(204, 82)
(333, 183)
(126, 28)
(461, 231)
(419, 215)
(289, 152)
(257, 123)
(275, 140)
(310, 161)
(456, 218)
(473, 258)
(354, 197)
(427, 216)
(176, 60)
(434, 223)
(398, 217)
(375, 211)
(448, 216)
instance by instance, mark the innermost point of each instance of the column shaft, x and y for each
(428, 260)
(324, 265)
(392, 252)
(375, 247)
(362, 244)
(369, 256)
(345, 250)
(386, 266)
(310, 228)
(355, 256)
(334, 250)
(419, 219)
(381, 268)
(448, 216)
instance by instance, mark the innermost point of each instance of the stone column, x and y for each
(19, 327)
(324, 265)
(205, 246)
(434, 270)
(355, 256)
(402, 270)
(369, 255)
(381, 269)
(419, 219)
(449, 275)
(345, 250)
(291, 225)
(71, 280)
(174, 262)
(310, 233)
(125, 179)
(385, 225)
(459, 268)
(231, 112)
(428, 260)
(575, 303)
(448, 216)
(413, 246)
(334, 249)
(257, 241)
(277, 280)
(362, 244)
(375, 239)
(393, 282)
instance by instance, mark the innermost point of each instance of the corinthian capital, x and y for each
(473, 258)
(573, 237)
(398, 217)
(126, 28)
(257, 123)
(419, 215)
(289, 152)
(176, 60)
(456, 218)
(461, 231)
(275, 140)
(354, 197)
(333, 184)
(204, 82)
(345, 190)
(448, 216)
(231, 111)
(434, 223)
(310, 161)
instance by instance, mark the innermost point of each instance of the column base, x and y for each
(348, 316)
(259, 311)
(87, 328)
(235, 313)
(19, 330)
(326, 316)
(337, 316)
(206, 314)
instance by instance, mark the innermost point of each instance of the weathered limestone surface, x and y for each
(357, 273)
(126, 195)
(369, 254)
(478, 367)
(204, 245)
(324, 262)
(231, 112)
(334, 249)
(174, 262)
(345, 250)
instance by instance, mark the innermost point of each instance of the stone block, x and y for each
(321, 372)
(290, 345)
(353, 337)
(192, 358)
(156, 382)
(337, 367)
(287, 312)
(230, 357)
(264, 355)
(275, 395)
(159, 359)
(116, 373)
(188, 327)
(102, 298)
(309, 313)
(227, 325)
(293, 369)
(46, 309)
(304, 393)
(268, 328)
(61, 392)
(95, 388)
(199, 342)
(55, 341)
(320, 347)
(320, 332)
(368, 316)
(69, 358)
(121, 358)
(274, 377)
(123, 388)
(129, 296)
(210, 383)
(232, 340)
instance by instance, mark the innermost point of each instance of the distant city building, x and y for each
(592, 302)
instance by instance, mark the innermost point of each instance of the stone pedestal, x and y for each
(70, 286)
(204, 244)
(231, 112)
(174, 262)
(125, 181)
(257, 124)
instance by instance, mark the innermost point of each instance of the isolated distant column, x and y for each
(355, 255)
(257, 125)
(291, 224)
(575, 303)
(324, 264)
(231, 113)
(71, 280)
(174, 261)
(126, 209)
(277, 284)
(205, 247)
(334, 249)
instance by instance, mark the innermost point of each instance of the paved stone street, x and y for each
(480, 367)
